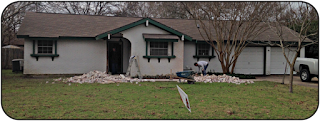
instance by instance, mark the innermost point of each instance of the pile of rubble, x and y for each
(104, 78)
(220, 78)
(101, 77)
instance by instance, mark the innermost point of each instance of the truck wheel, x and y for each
(305, 75)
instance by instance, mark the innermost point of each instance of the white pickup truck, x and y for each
(307, 68)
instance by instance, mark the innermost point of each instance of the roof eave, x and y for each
(151, 21)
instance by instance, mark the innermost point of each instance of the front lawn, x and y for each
(33, 98)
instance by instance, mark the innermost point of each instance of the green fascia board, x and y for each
(161, 40)
(120, 29)
(162, 26)
(159, 56)
(153, 22)
(44, 55)
(22, 36)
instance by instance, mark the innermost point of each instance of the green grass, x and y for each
(30, 98)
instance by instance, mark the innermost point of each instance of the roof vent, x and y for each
(198, 26)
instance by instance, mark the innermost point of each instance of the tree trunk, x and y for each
(234, 64)
(284, 75)
(291, 79)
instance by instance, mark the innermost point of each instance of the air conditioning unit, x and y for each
(17, 65)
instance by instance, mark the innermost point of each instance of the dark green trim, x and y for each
(55, 47)
(22, 36)
(34, 46)
(153, 22)
(159, 57)
(161, 40)
(146, 47)
(196, 48)
(128, 26)
(42, 38)
(212, 51)
(171, 48)
(203, 56)
(44, 55)
(186, 37)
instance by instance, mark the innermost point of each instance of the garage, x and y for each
(250, 61)
(278, 62)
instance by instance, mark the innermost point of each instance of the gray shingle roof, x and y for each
(55, 25)
(67, 25)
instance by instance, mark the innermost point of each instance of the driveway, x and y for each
(296, 80)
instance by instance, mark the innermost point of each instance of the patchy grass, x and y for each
(29, 98)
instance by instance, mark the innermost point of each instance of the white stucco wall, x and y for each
(126, 54)
(75, 57)
(138, 48)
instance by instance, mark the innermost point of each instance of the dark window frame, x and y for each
(159, 48)
(45, 47)
(203, 49)
(209, 56)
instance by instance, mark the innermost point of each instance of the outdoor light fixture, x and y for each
(182, 38)
(108, 36)
(147, 22)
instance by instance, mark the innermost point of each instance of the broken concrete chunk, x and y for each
(220, 78)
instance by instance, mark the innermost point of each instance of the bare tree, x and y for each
(139, 9)
(83, 8)
(172, 10)
(11, 19)
(228, 26)
(299, 18)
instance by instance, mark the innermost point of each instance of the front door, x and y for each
(115, 57)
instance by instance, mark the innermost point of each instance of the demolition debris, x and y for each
(104, 78)
(101, 77)
(220, 78)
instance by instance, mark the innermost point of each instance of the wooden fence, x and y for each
(8, 54)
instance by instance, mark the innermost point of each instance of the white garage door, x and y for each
(250, 61)
(278, 62)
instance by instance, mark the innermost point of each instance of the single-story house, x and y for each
(76, 44)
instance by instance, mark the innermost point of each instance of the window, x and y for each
(203, 49)
(159, 48)
(45, 46)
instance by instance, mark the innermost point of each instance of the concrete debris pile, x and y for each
(102, 77)
(220, 78)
